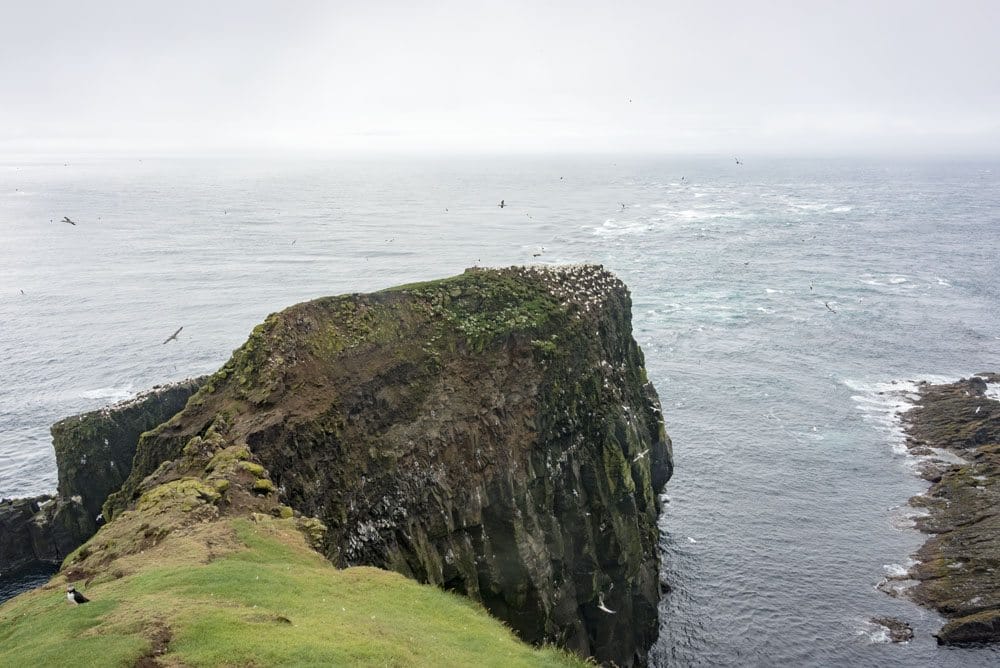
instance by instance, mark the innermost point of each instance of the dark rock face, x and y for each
(493, 433)
(94, 455)
(94, 450)
(960, 562)
(16, 542)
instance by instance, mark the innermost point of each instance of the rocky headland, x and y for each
(493, 434)
(94, 454)
(957, 426)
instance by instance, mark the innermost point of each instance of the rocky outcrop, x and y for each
(18, 532)
(896, 630)
(958, 572)
(493, 433)
(94, 456)
(94, 450)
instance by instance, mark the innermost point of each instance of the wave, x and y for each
(993, 391)
(613, 227)
(883, 403)
(884, 280)
(113, 393)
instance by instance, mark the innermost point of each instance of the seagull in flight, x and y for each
(173, 337)
(828, 308)
(602, 607)
(641, 455)
(67, 220)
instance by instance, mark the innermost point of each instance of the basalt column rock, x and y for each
(493, 433)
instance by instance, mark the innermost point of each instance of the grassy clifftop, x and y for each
(250, 591)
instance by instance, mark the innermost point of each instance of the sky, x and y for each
(676, 77)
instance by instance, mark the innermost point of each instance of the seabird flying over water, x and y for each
(738, 161)
(601, 606)
(67, 220)
(641, 455)
(75, 597)
(827, 305)
(173, 337)
(501, 204)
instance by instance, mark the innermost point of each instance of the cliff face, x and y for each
(94, 450)
(94, 456)
(493, 433)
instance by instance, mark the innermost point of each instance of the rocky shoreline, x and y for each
(956, 426)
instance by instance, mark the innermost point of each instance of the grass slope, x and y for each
(259, 597)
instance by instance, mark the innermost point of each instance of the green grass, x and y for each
(268, 601)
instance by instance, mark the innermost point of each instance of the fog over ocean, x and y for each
(775, 300)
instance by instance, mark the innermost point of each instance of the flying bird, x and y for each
(501, 204)
(828, 308)
(75, 597)
(173, 337)
(738, 161)
(601, 606)
(67, 220)
(641, 455)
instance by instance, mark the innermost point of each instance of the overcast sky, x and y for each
(785, 76)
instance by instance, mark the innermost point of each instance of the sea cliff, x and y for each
(493, 434)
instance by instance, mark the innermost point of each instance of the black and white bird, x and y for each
(75, 597)
(501, 204)
(602, 607)
(67, 220)
(173, 337)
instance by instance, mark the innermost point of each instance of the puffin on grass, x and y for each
(75, 597)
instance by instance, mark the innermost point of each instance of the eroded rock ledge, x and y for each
(493, 433)
(94, 454)
(958, 572)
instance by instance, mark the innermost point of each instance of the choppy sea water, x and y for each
(774, 301)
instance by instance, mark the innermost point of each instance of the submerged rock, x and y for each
(899, 631)
(958, 572)
(492, 433)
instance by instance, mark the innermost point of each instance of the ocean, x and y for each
(774, 301)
